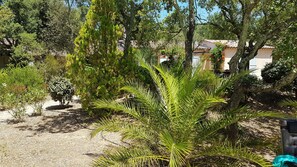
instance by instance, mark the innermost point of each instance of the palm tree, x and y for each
(169, 126)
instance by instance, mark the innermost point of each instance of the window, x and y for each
(253, 64)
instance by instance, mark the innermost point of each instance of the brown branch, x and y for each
(228, 14)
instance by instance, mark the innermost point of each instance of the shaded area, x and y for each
(93, 155)
(66, 121)
(58, 107)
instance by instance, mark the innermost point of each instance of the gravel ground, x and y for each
(59, 138)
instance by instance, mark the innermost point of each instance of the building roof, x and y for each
(233, 43)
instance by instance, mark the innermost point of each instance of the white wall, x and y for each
(229, 53)
(258, 63)
(264, 57)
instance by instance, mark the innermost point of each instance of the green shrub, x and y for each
(52, 66)
(16, 100)
(3, 85)
(217, 57)
(249, 81)
(275, 71)
(19, 86)
(61, 89)
(37, 97)
(29, 77)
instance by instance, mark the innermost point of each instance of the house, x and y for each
(202, 51)
(263, 57)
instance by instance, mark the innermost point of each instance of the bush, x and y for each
(249, 81)
(61, 89)
(3, 85)
(52, 66)
(275, 71)
(19, 85)
(37, 97)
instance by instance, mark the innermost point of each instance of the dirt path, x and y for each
(59, 138)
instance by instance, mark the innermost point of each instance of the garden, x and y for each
(82, 83)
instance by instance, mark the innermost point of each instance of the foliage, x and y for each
(15, 40)
(209, 31)
(37, 97)
(52, 66)
(61, 89)
(3, 85)
(217, 57)
(94, 67)
(169, 126)
(62, 27)
(186, 13)
(254, 23)
(273, 72)
(20, 86)
(31, 28)
(24, 53)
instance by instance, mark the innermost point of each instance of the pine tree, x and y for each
(94, 67)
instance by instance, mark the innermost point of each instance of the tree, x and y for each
(285, 46)
(61, 28)
(187, 27)
(254, 23)
(207, 30)
(15, 41)
(169, 126)
(94, 66)
(46, 21)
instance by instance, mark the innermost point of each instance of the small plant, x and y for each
(3, 85)
(16, 100)
(61, 90)
(217, 57)
(37, 97)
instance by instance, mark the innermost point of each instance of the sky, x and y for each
(201, 12)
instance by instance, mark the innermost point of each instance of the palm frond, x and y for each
(156, 78)
(289, 102)
(239, 153)
(128, 157)
(129, 131)
(116, 106)
(138, 133)
(106, 124)
(210, 127)
(144, 96)
(171, 87)
(177, 149)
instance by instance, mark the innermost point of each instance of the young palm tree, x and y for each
(169, 127)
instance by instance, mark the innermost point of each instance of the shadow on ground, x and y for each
(58, 107)
(67, 121)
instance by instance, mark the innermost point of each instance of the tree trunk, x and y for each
(238, 94)
(189, 36)
(236, 67)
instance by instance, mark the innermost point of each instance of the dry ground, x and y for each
(59, 138)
